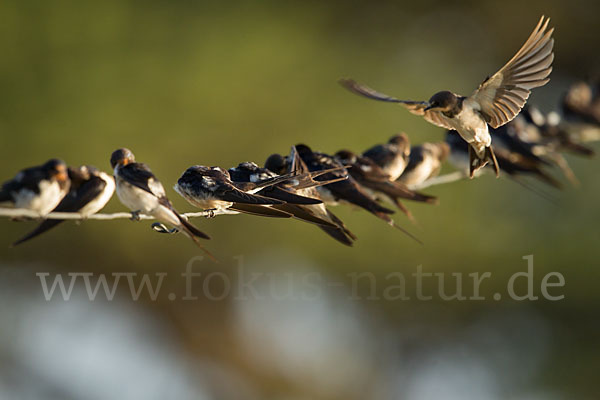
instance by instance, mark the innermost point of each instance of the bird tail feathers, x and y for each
(476, 162)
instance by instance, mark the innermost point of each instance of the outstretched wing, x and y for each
(502, 95)
(415, 107)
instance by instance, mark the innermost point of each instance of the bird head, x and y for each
(248, 166)
(57, 169)
(121, 157)
(402, 141)
(80, 175)
(442, 101)
(303, 149)
(276, 163)
(578, 96)
(443, 150)
(346, 157)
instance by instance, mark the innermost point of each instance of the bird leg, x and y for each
(135, 215)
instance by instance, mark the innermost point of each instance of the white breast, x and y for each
(44, 202)
(98, 203)
(202, 200)
(419, 174)
(326, 196)
(395, 168)
(471, 126)
(135, 198)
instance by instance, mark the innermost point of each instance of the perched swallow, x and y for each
(212, 189)
(513, 164)
(90, 190)
(369, 175)
(507, 137)
(544, 136)
(140, 191)
(497, 100)
(249, 172)
(550, 133)
(581, 103)
(391, 157)
(425, 162)
(281, 165)
(39, 188)
(295, 204)
(345, 191)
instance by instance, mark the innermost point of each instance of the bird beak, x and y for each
(429, 107)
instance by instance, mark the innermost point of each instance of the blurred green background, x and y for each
(217, 83)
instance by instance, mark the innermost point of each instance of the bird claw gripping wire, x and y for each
(135, 216)
(211, 213)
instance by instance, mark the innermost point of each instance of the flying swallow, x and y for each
(90, 190)
(39, 188)
(212, 189)
(497, 100)
(281, 165)
(139, 190)
(345, 191)
(371, 177)
(425, 162)
(295, 204)
(392, 156)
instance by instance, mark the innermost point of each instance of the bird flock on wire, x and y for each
(305, 183)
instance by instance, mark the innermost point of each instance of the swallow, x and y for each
(544, 137)
(90, 190)
(212, 189)
(39, 188)
(513, 164)
(391, 157)
(295, 204)
(281, 165)
(508, 138)
(378, 183)
(497, 100)
(581, 103)
(549, 132)
(250, 172)
(345, 191)
(140, 191)
(425, 162)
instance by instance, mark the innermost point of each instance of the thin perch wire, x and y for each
(440, 180)
(24, 213)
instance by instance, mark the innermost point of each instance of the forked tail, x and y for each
(194, 233)
(476, 162)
